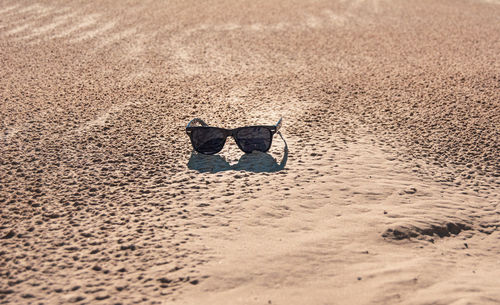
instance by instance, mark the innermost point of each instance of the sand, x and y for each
(388, 192)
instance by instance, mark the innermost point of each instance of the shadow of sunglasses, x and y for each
(257, 162)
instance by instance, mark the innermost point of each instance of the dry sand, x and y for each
(389, 193)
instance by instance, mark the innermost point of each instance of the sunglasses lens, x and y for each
(254, 138)
(207, 140)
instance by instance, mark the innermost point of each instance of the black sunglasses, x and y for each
(210, 140)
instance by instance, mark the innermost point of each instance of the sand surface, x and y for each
(388, 192)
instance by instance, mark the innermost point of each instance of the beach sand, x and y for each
(388, 192)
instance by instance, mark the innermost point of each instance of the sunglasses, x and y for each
(210, 140)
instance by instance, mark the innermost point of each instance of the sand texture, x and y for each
(389, 192)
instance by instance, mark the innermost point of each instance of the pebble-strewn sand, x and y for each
(388, 194)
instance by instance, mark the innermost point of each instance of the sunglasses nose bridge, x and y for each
(231, 133)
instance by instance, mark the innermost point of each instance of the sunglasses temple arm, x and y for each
(278, 125)
(197, 121)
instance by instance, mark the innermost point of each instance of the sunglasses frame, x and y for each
(229, 132)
